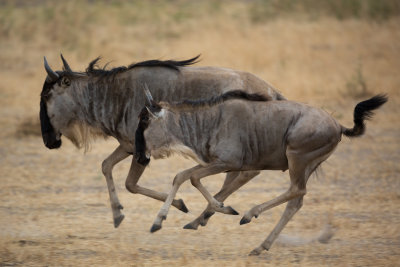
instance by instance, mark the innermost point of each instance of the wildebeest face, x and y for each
(155, 132)
(151, 135)
(55, 107)
(61, 108)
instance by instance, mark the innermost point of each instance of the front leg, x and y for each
(135, 171)
(233, 181)
(213, 204)
(107, 166)
(196, 172)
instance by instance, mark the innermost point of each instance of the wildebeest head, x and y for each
(55, 110)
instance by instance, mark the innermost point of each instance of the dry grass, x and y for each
(54, 207)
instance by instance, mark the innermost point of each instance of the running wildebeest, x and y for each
(100, 102)
(247, 133)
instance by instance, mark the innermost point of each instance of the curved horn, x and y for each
(65, 63)
(148, 94)
(53, 75)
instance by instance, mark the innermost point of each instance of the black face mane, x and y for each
(94, 70)
(140, 142)
(48, 133)
(47, 86)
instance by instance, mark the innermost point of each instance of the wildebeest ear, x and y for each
(65, 82)
(155, 110)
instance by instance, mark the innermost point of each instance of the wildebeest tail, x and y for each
(362, 112)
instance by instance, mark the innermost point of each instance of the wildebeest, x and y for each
(100, 102)
(244, 134)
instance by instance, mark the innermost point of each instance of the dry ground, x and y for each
(54, 208)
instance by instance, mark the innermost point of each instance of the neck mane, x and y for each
(93, 70)
(188, 105)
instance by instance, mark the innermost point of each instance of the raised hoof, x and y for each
(232, 211)
(208, 214)
(189, 226)
(326, 235)
(244, 220)
(120, 207)
(183, 206)
(155, 228)
(255, 252)
(118, 220)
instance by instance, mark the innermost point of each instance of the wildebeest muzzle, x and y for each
(49, 135)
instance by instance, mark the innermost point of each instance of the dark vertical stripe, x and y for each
(48, 133)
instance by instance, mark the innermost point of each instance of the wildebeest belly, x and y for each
(265, 159)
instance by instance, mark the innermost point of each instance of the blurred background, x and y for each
(331, 54)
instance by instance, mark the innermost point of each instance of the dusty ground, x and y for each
(54, 208)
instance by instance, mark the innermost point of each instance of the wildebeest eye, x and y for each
(65, 81)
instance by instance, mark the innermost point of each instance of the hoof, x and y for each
(255, 252)
(120, 207)
(118, 220)
(189, 226)
(183, 206)
(232, 211)
(155, 228)
(244, 220)
(208, 214)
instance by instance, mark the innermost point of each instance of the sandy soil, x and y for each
(55, 211)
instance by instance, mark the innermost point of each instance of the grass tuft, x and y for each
(28, 127)
(356, 86)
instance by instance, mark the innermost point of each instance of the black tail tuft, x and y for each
(363, 111)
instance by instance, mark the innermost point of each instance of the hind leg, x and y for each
(233, 181)
(297, 189)
(294, 196)
(301, 166)
(291, 208)
(299, 175)
(293, 192)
